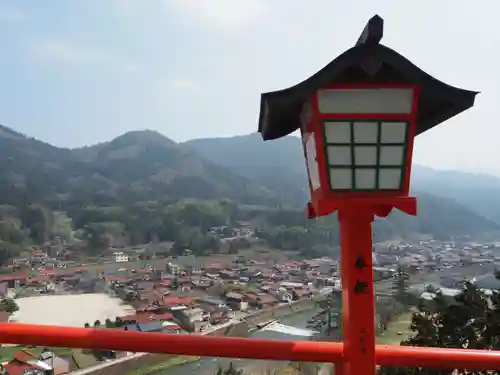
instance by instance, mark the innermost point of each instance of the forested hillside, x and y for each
(143, 186)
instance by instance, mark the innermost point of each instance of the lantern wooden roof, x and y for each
(368, 62)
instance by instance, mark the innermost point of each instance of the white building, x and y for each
(120, 257)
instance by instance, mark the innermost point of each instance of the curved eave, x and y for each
(280, 110)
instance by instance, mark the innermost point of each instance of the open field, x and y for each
(69, 310)
(397, 331)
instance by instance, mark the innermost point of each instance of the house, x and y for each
(284, 296)
(172, 326)
(37, 256)
(197, 314)
(266, 300)
(202, 283)
(212, 301)
(24, 362)
(301, 294)
(172, 301)
(228, 275)
(214, 268)
(154, 326)
(235, 301)
(291, 285)
(145, 317)
(380, 273)
(59, 365)
(174, 269)
(251, 274)
(120, 257)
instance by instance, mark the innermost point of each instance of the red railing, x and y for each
(196, 345)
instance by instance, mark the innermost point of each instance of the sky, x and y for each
(75, 73)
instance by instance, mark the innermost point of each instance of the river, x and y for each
(209, 366)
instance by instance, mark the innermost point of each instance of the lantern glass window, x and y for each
(341, 178)
(339, 155)
(338, 132)
(389, 178)
(366, 178)
(365, 132)
(368, 155)
(393, 132)
(365, 156)
(391, 155)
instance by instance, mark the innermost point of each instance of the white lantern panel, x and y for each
(365, 155)
(389, 178)
(372, 101)
(393, 132)
(340, 178)
(365, 178)
(339, 155)
(311, 162)
(365, 132)
(391, 155)
(338, 132)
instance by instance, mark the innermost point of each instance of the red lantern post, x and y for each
(358, 118)
(358, 147)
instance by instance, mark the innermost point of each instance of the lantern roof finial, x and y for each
(373, 32)
(367, 62)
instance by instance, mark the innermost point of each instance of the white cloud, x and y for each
(220, 14)
(184, 84)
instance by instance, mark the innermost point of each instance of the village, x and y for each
(148, 291)
(211, 293)
(155, 285)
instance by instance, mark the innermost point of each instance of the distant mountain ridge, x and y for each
(137, 165)
(144, 166)
(283, 165)
(479, 192)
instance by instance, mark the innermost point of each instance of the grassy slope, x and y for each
(401, 324)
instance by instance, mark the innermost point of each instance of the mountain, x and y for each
(136, 184)
(278, 165)
(455, 200)
(478, 192)
(140, 165)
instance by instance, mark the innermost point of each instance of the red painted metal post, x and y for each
(358, 311)
(339, 368)
(234, 347)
